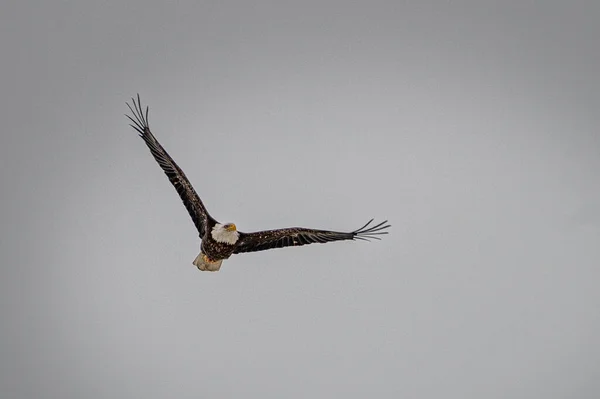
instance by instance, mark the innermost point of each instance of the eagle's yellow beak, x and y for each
(230, 227)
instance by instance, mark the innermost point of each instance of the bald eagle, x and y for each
(220, 240)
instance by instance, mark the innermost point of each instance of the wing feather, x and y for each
(297, 236)
(184, 188)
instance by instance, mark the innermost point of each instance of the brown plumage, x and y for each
(220, 241)
(297, 236)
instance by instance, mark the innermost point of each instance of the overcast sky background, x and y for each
(473, 128)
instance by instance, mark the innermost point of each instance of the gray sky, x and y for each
(472, 128)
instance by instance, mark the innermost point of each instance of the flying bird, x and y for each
(221, 240)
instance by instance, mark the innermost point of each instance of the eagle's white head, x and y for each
(225, 233)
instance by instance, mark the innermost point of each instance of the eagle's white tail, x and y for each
(202, 263)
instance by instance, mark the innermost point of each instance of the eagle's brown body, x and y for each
(215, 250)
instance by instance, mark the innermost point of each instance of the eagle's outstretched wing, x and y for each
(296, 236)
(188, 195)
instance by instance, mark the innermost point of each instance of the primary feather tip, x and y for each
(368, 232)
